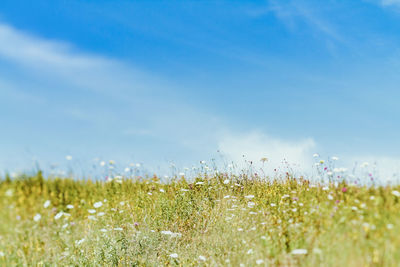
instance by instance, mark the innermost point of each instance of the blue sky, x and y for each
(161, 81)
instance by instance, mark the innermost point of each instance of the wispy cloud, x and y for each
(387, 3)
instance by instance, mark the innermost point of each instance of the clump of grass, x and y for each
(211, 221)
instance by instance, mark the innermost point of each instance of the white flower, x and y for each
(330, 197)
(103, 230)
(226, 181)
(122, 203)
(162, 190)
(273, 205)
(91, 217)
(92, 211)
(173, 255)
(396, 193)
(118, 229)
(98, 204)
(389, 226)
(172, 234)
(58, 215)
(78, 242)
(240, 229)
(258, 262)
(102, 163)
(37, 217)
(65, 225)
(202, 258)
(249, 196)
(127, 169)
(137, 165)
(200, 183)
(100, 214)
(181, 174)
(149, 193)
(70, 207)
(250, 251)
(9, 192)
(335, 158)
(299, 251)
(2, 254)
(68, 157)
(46, 204)
(315, 155)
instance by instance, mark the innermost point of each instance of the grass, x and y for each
(220, 220)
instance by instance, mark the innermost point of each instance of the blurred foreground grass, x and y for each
(212, 221)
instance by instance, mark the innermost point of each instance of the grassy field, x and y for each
(220, 220)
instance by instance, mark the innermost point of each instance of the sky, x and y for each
(155, 82)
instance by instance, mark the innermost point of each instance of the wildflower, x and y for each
(127, 169)
(249, 196)
(92, 211)
(102, 163)
(240, 229)
(202, 258)
(272, 205)
(58, 215)
(91, 217)
(78, 242)
(149, 193)
(226, 181)
(335, 158)
(199, 183)
(118, 229)
(181, 174)
(9, 193)
(138, 165)
(162, 190)
(330, 197)
(299, 251)
(98, 204)
(112, 162)
(70, 207)
(100, 214)
(65, 226)
(37, 217)
(122, 203)
(46, 204)
(258, 262)
(396, 193)
(344, 189)
(103, 230)
(315, 155)
(68, 157)
(322, 161)
(250, 251)
(172, 234)
(2, 254)
(173, 255)
(202, 162)
(389, 226)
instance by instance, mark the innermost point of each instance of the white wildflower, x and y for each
(78, 242)
(37, 217)
(396, 193)
(46, 204)
(299, 251)
(91, 211)
(100, 214)
(173, 255)
(249, 196)
(202, 258)
(226, 181)
(250, 251)
(58, 215)
(258, 262)
(70, 207)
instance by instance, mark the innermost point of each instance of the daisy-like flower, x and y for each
(202, 258)
(249, 196)
(258, 262)
(78, 242)
(70, 207)
(46, 204)
(37, 217)
(92, 211)
(58, 215)
(174, 255)
(98, 204)
(226, 181)
(396, 193)
(299, 251)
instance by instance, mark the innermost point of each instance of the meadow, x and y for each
(211, 220)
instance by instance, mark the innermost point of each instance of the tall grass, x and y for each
(219, 220)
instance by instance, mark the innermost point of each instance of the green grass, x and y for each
(213, 223)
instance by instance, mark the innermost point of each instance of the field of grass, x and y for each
(220, 220)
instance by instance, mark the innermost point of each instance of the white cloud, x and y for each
(390, 3)
(256, 145)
